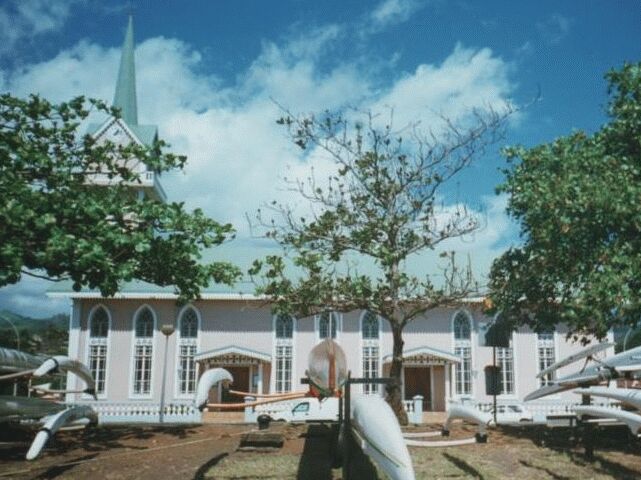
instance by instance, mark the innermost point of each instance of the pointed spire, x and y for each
(125, 98)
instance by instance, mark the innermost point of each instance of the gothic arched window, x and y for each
(462, 326)
(284, 352)
(370, 351)
(546, 354)
(187, 345)
(144, 325)
(328, 325)
(98, 339)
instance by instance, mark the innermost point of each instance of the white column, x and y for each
(259, 385)
(432, 387)
(403, 382)
(250, 417)
(448, 393)
(219, 391)
(73, 348)
(417, 415)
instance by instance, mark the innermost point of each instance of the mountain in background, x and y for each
(48, 335)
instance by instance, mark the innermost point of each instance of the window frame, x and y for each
(369, 343)
(463, 343)
(547, 380)
(338, 322)
(179, 343)
(135, 342)
(107, 343)
(279, 343)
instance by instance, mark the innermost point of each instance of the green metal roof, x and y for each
(241, 253)
(134, 287)
(145, 133)
(125, 97)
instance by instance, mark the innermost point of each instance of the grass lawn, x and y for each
(532, 453)
(511, 453)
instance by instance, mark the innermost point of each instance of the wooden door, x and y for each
(241, 382)
(417, 382)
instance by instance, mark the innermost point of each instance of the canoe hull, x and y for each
(207, 381)
(469, 414)
(632, 420)
(625, 395)
(604, 371)
(57, 421)
(65, 364)
(327, 367)
(378, 430)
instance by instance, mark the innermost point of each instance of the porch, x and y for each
(427, 372)
(250, 369)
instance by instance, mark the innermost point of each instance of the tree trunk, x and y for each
(394, 392)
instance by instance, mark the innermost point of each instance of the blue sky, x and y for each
(208, 69)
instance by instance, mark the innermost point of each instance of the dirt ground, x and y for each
(210, 451)
(126, 453)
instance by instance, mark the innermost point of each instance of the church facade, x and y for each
(140, 341)
(445, 355)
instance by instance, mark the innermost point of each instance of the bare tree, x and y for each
(382, 207)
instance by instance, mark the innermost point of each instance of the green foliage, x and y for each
(55, 222)
(578, 202)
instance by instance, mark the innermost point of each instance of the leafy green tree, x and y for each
(381, 208)
(578, 200)
(56, 223)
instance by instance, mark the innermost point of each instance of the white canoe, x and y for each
(324, 358)
(57, 421)
(12, 361)
(625, 395)
(469, 414)
(608, 368)
(376, 428)
(65, 364)
(591, 350)
(208, 380)
(632, 420)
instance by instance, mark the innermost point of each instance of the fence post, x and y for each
(418, 409)
(249, 411)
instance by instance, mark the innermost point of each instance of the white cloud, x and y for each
(236, 152)
(554, 28)
(390, 12)
(466, 79)
(480, 247)
(21, 19)
(525, 50)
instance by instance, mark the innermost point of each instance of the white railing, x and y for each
(143, 412)
(153, 178)
(414, 409)
(541, 410)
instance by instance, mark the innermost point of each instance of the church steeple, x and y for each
(125, 97)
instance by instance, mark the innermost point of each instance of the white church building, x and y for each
(121, 341)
